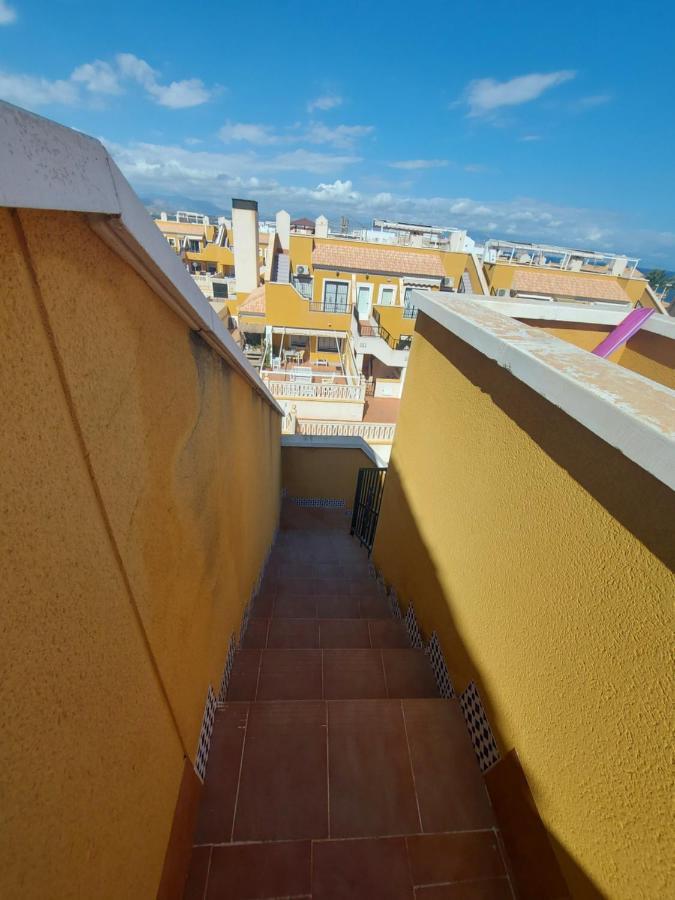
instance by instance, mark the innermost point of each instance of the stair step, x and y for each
(372, 605)
(306, 634)
(331, 674)
(359, 868)
(309, 770)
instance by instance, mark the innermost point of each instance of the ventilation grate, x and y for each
(437, 660)
(483, 740)
(413, 628)
(227, 671)
(319, 503)
(205, 734)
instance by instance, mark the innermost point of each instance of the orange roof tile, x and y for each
(594, 287)
(389, 260)
(255, 302)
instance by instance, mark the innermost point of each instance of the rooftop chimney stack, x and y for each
(246, 249)
(284, 229)
(321, 227)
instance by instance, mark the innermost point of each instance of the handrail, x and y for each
(342, 309)
(382, 432)
(302, 390)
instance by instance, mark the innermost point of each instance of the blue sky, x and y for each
(527, 121)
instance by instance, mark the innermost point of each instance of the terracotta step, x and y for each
(309, 770)
(289, 633)
(459, 865)
(330, 674)
(367, 605)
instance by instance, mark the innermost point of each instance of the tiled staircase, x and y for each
(335, 769)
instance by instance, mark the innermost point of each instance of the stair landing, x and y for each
(335, 769)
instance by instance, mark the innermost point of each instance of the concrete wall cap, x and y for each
(331, 443)
(627, 410)
(44, 165)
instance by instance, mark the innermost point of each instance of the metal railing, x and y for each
(303, 287)
(401, 343)
(367, 502)
(299, 390)
(409, 312)
(377, 432)
(338, 308)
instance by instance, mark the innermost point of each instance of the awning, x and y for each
(312, 332)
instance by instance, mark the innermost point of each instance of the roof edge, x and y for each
(44, 165)
(626, 410)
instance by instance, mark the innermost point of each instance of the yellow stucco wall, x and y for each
(133, 531)
(646, 353)
(328, 473)
(543, 559)
(284, 306)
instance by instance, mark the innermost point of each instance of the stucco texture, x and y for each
(327, 473)
(140, 494)
(543, 558)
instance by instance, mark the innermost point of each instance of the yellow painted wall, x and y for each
(647, 353)
(391, 318)
(543, 558)
(284, 306)
(132, 534)
(328, 473)
(221, 257)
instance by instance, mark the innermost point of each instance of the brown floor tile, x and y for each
(295, 607)
(283, 788)
(409, 674)
(389, 633)
(254, 871)
(371, 787)
(450, 787)
(290, 675)
(262, 605)
(360, 870)
(244, 675)
(197, 874)
(292, 586)
(353, 675)
(293, 634)
(256, 634)
(492, 889)
(456, 856)
(342, 607)
(374, 606)
(216, 810)
(344, 633)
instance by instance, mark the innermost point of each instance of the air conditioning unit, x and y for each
(503, 292)
(302, 270)
(447, 283)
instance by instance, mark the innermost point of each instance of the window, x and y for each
(219, 289)
(326, 345)
(299, 340)
(335, 295)
(387, 295)
(193, 246)
(407, 298)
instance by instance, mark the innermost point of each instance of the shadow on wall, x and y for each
(534, 853)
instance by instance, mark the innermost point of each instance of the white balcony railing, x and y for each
(298, 390)
(373, 432)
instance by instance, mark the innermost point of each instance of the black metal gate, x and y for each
(367, 500)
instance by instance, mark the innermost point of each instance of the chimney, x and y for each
(321, 227)
(284, 229)
(246, 249)
(619, 265)
(163, 216)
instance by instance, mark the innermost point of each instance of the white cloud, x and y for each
(176, 95)
(324, 102)
(592, 101)
(340, 136)
(262, 135)
(27, 90)
(7, 13)
(413, 164)
(337, 135)
(485, 95)
(530, 137)
(98, 77)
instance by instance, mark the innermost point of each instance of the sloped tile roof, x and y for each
(593, 287)
(255, 302)
(390, 260)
